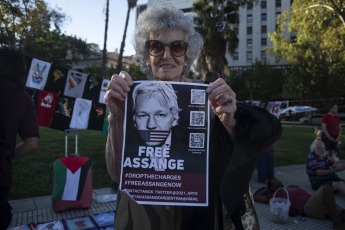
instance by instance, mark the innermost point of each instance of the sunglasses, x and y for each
(156, 48)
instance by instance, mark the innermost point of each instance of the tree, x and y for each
(317, 53)
(213, 21)
(131, 5)
(33, 28)
(10, 12)
(22, 21)
(259, 82)
(133, 69)
(104, 61)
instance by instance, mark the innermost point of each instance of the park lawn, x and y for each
(32, 176)
(294, 145)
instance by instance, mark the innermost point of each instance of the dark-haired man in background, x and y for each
(18, 116)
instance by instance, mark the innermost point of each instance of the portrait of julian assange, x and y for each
(155, 112)
(153, 132)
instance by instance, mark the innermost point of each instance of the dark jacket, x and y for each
(231, 168)
(232, 165)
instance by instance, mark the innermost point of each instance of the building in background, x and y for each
(256, 21)
(96, 57)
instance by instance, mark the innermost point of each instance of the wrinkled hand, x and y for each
(220, 96)
(117, 91)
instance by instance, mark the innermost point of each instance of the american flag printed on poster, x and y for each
(153, 135)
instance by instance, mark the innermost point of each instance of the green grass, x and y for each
(293, 147)
(32, 176)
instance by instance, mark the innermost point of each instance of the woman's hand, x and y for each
(223, 102)
(117, 91)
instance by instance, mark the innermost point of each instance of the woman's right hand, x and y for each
(117, 91)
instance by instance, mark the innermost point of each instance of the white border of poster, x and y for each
(175, 170)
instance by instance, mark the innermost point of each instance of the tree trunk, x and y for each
(210, 68)
(104, 61)
(119, 61)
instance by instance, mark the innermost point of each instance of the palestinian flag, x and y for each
(69, 177)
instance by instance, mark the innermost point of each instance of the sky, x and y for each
(86, 20)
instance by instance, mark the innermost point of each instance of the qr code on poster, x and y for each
(197, 118)
(196, 140)
(198, 96)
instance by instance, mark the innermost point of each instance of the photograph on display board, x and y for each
(165, 153)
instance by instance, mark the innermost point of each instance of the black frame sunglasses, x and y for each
(156, 48)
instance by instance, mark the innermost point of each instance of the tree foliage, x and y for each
(213, 21)
(259, 82)
(317, 53)
(35, 29)
(133, 70)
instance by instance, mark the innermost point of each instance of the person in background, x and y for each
(166, 45)
(318, 133)
(319, 205)
(337, 150)
(19, 116)
(322, 170)
(266, 165)
(331, 129)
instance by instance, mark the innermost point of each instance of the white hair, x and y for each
(162, 18)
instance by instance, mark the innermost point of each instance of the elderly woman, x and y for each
(167, 44)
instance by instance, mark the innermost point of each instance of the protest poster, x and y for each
(166, 144)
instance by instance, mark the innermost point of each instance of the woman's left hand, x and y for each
(223, 102)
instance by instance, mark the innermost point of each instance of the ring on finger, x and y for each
(229, 100)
